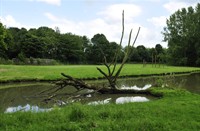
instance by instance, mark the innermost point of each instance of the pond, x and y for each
(23, 96)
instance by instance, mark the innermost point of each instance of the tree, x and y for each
(18, 36)
(32, 46)
(143, 53)
(182, 34)
(99, 48)
(50, 38)
(134, 57)
(112, 73)
(70, 48)
(3, 45)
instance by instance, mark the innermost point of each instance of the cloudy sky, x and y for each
(89, 17)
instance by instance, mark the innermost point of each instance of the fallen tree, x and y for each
(113, 71)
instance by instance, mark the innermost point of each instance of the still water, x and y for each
(23, 97)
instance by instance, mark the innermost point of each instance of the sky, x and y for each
(89, 17)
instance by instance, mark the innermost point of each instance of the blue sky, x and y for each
(89, 17)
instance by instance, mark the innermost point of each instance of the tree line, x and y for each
(182, 34)
(48, 43)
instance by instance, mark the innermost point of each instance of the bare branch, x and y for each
(136, 36)
(120, 44)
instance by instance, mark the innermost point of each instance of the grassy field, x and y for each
(19, 72)
(177, 110)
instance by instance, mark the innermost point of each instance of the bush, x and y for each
(4, 61)
(34, 61)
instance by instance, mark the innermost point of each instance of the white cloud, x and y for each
(52, 2)
(175, 5)
(107, 22)
(112, 31)
(187, 1)
(10, 21)
(158, 21)
(155, 30)
(113, 13)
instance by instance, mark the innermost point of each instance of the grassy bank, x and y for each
(18, 72)
(177, 110)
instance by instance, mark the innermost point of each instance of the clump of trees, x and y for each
(34, 46)
(183, 36)
(27, 46)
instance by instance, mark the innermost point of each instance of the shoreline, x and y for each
(102, 78)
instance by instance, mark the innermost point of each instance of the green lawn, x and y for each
(24, 72)
(177, 110)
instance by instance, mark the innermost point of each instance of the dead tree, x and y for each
(113, 71)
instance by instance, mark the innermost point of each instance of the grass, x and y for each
(177, 110)
(24, 72)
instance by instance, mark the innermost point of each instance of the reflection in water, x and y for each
(136, 87)
(19, 93)
(121, 100)
(26, 108)
(106, 101)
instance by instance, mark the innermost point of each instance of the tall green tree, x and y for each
(3, 45)
(101, 48)
(50, 37)
(182, 34)
(70, 48)
(18, 36)
(143, 53)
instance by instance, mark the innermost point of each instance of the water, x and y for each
(190, 82)
(23, 97)
(25, 108)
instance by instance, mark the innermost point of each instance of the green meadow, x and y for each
(25, 72)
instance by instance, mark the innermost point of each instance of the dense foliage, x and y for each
(22, 45)
(183, 36)
(37, 46)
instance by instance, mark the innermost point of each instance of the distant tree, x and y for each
(32, 46)
(50, 37)
(3, 45)
(70, 48)
(99, 48)
(143, 53)
(18, 36)
(159, 48)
